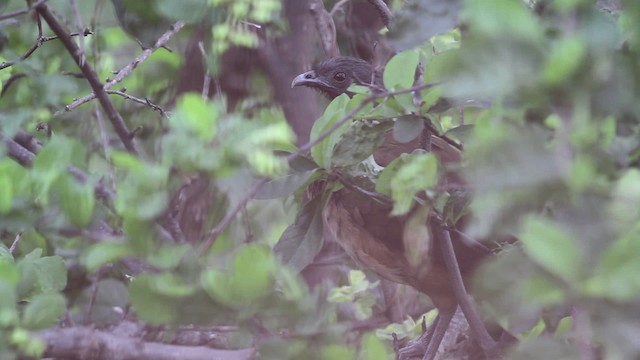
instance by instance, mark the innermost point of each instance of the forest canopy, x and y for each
(283, 179)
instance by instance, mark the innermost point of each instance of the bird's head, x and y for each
(334, 76)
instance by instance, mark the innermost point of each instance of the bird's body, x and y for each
(363, 225)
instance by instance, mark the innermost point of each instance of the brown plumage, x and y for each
(362, 225)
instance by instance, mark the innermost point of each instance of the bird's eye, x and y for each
(340, 77)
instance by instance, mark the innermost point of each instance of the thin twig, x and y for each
(206, 82)
(246, 222)
(326, 27)
(15, 242)
(144, 101)
(39, 42)
(125, 71)
(226, 221)
(14, 14)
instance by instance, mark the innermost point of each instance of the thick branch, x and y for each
(475, 323)
(384, 11)
(88, 343)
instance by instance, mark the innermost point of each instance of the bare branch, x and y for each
(92, 77)
(15, 242)
(14, 14)
(325, 26)
(125, 71)
(86, 342)
(39, 42)
(144, 101)
(464, 301)
(384, 11)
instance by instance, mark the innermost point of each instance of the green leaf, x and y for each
(253, 269)
(322, 151)
(78, 200)
(358, 143)
(8, 299)
(462, 132)
(250, 279)
(284, 186)
(302, 241)
(106, 252)
(383, 185)
(407, 128)
(52, 160)
(39, 275)
(564, 60)
(139, 234)
(616, 274)
(498, 18)
(418, 173)
(431, 97)
(43, 311)
(8, 272)
(144, 186)
(373, 349)
(399, 73)
(337, 352)
(148, 304)
(552, 247)
(168, 256)
(170, 285)
(626, 195)
(6, 193)
(51, 273)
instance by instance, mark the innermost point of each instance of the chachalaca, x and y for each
(374, 239)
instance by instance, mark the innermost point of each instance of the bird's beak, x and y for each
(309, 78)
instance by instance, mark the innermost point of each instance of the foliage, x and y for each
(551, 161)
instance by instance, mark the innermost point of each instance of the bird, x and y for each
(362, 225)
(334, 76)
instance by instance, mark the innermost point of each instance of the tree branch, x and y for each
(384, 11)
(475, 323)
(125, 71)
(88, 343)
(92, 77)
